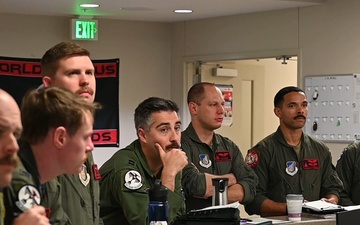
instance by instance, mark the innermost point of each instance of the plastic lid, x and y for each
(158, 192)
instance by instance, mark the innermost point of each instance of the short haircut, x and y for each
(51, 58)
(143, 113)
(197, 92)
(47, 108)
(279, 97)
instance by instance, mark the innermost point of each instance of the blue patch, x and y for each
(204, 160)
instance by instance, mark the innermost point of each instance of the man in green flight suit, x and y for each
(348, 169)
(211, 154)
(290, 161)
(56, 137)
(68, 65)
(10, 130)
(131, 171)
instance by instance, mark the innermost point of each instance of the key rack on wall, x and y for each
(334, 107)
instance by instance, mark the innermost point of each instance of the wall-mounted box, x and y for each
(223, 72)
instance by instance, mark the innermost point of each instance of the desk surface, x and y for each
(306, 219)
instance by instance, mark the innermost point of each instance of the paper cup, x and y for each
(294, 206)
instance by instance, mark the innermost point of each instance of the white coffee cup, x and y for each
(294, 206)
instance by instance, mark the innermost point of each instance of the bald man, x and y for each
(10, 130)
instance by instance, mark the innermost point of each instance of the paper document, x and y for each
(321, 206)
(232, 205)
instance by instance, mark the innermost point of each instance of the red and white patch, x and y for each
(252, 158)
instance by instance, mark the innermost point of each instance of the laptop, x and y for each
(348, 217)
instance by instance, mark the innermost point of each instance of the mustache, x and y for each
(12, 160)
(172, 146)
(300, 116)
(85, 89)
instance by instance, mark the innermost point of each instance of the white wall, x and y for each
(144, 50)
(325, 38)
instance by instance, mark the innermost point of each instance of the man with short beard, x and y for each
(290, 161)
(131, 171)
(10, 130)
(68, 65)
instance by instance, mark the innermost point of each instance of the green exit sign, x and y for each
(83, 29)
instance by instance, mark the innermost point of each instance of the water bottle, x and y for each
(158, 210)
(220, 195)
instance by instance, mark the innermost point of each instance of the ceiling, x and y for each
(149, 10)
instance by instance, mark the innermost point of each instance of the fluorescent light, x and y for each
(183, 11)
(89, 5)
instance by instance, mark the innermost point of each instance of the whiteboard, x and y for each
(334, 107)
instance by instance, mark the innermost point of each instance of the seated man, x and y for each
(10, 130)
(131, 171)
(290, 161)
(348, 169)
(211, 154)
(56, 137)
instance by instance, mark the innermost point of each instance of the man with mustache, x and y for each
(290, 161)
(10, 130)
(68, 65)
(130, 172)
(211, 154)
(56, 137)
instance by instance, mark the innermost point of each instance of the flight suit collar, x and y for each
(190, 131)
(140, 155)
(279, 136)
(28, 160)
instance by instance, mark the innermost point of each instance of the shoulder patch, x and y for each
(252, 158)
(28, 197)
(133, 180)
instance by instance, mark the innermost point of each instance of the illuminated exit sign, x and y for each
(82, 29)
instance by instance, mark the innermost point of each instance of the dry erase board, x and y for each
(334, 107)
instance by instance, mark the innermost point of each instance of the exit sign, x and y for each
(83, 29)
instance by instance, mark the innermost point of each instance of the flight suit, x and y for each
(80, 196)
(348, 169)
(26, 190)
(125, 181)
(282, 172)
(221, 158)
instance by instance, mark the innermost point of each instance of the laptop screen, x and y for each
(348, 217)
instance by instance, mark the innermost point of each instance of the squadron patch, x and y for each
(222, 156)
(291, 168)
(84, 176)
(28, 197)
(204, 160)
(252, 158)
(310, 164)
(133, 180)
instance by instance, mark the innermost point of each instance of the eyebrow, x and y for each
(168, 124)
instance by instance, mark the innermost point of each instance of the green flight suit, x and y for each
(282, 172)
(125, 180)
(2, 208)
(26, 177)
(348, 169)
(223, 157)
(81, 201)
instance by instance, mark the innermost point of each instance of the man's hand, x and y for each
(173, 161)
(34, 216)
(333, 199)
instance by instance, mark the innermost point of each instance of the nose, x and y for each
(89, 146)
(12, 146)
(84, 80)
(175, 136)
(221, 109)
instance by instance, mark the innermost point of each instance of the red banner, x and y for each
(18, 75)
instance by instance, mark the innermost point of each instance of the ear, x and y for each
(277, 112)
(47, 82)
(142, 135)
(60, 137)
(192, 108)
